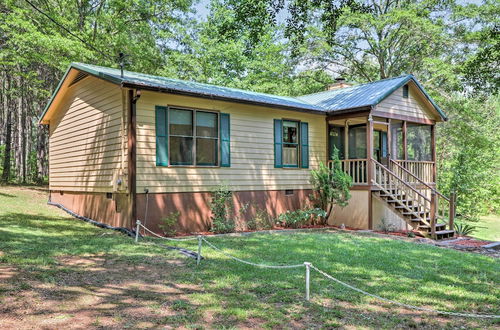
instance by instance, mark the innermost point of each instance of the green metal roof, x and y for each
(364, 95)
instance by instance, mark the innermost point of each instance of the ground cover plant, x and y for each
(59, 272)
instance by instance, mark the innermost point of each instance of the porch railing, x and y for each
(421, 169)
(356, 168)
(443, 206)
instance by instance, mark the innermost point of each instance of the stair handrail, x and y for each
(420, 180)
(451, 201)
(429, 223)
(403, 181)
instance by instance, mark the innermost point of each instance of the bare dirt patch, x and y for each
(93, 292)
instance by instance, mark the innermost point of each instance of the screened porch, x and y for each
(404, 147)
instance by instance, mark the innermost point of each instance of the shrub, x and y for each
(464, 229)
(330, 187)
(168, 224)
(222, 207)
(261, 220)
(298, 218)
(386, 226)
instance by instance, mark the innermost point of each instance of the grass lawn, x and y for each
(488, 228)
(57, 272)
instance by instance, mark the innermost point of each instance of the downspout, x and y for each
(133, 96)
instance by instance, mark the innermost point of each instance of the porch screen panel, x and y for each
(161, 123)
(278, 147)
(418, 139)
(225, 152)
(357, 142)
(336, 136)
(397, 140)
(304, 145)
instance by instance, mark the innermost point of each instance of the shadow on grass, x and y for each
(83, 272)
(6, 195)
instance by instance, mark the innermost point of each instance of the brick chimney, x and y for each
(339, 83)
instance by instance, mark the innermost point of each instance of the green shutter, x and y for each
(304, 145)
(161, 136)
(278, 143)
(225, 129)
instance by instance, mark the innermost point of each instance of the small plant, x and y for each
(261, 220)
(464, 229)
(222, 207)
(410, 234)
(386, 226)
(168, 224)
(298, 218)
(331, 186)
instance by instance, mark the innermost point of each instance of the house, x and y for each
(126, 146)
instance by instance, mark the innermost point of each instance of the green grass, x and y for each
(488, 228)
(224, 293)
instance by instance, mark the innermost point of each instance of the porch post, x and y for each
(369, 166)
(346, 139)
(389, 144)
(405, 148)
(433, 151)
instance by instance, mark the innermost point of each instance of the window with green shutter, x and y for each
(188, 137)
(161, 116)
(278, 141)
(304, 145)
(225, 148)
(291, 143)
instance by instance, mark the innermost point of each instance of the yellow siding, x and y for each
(414, 106)
(87, 144)
(252, 149)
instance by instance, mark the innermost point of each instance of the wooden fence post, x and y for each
(451, 215)
(433, 215)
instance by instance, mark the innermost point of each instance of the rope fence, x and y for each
(308, 266)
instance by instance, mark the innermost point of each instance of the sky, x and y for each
(202, 6)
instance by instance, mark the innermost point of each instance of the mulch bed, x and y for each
(470, 242)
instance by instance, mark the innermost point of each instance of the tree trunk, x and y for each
(6, 158)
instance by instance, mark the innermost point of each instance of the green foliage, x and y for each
(468, 154)
(386, 226)
(301, 217)
(331, 186)
(222, 208)
(464, 229)
(261, 220)
(169, 223)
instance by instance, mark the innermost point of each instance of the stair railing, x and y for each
(390, 183)
(444, 207)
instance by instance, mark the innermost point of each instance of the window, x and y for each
(193, 137)
(290, 143)
(406, 91)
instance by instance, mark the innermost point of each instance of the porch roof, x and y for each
(364, 95)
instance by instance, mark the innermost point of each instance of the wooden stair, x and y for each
(412, 204)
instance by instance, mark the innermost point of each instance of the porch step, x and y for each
(416, 212)
(445, 234)
(439, 227)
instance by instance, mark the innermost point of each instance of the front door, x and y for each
(380, 147)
